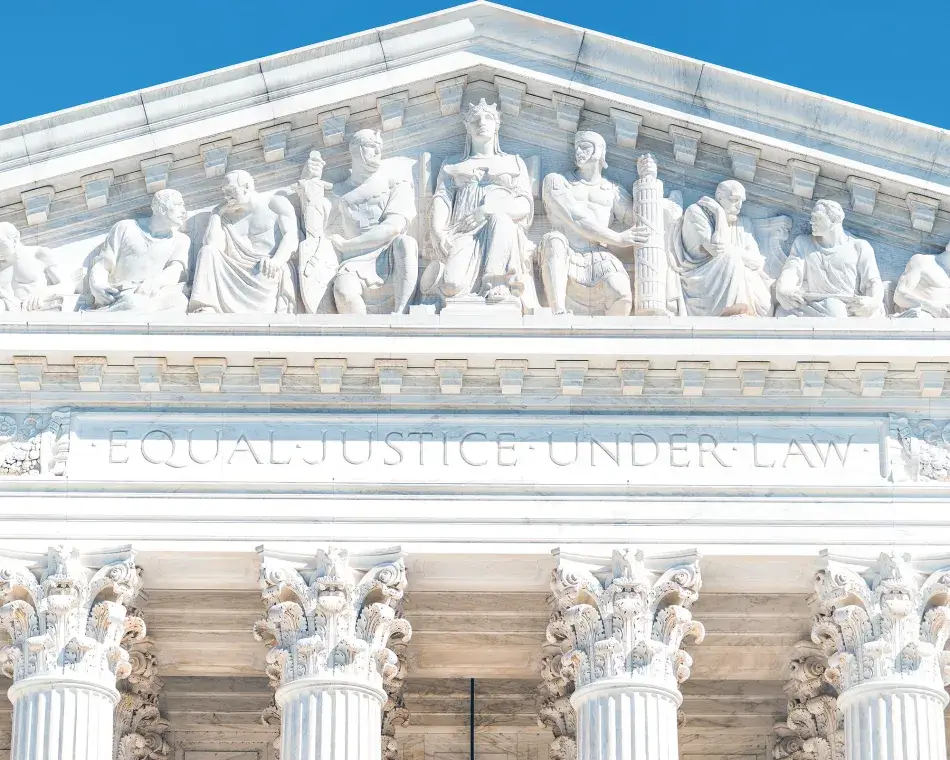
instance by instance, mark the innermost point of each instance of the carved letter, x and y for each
(843, 458)
(421, 448)
(800, 453)
(755, 453)
(369, 453)
(158, 435)
(551, 450)
(506, 446)
(191, 450)
(272, 447)
(393, 448)
(462, 450)
(706, 438)
(633, 453)
(615, 456)
(323, 454)
(247, 450)
(676, 447)
(115, 445)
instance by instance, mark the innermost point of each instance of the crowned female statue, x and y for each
(482, 206)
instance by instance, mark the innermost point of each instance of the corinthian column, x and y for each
(884, 625)
(65, 614)
(329, 622)
(619, 625)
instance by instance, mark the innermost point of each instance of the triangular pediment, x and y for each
(67, 177)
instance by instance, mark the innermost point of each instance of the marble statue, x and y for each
(829, 273)
(721, 269)
(142, 265)
(481, 208)
(578, 270)
(373, 264)
(29, 280)
(923, 290)
(244, 263)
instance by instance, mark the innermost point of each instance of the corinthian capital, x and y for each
(884, 619)
(65, 613)
(626, 617)
(332, 615)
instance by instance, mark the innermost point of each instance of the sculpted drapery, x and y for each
(353, 246)
(481, 210)
(718, 259)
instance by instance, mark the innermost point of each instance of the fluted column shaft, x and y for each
(61, 720)
(884, 624)
(330, 720)
(626, 720)
(66, 618)
(887, 720)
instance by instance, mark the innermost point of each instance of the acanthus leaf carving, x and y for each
(883, 619)
(34, 444)
(139, 725)
(66, 613)
(331, 619)
(814, 729)
(626, 619)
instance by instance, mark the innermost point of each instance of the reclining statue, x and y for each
(29, 278)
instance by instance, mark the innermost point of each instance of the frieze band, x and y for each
(259, 254)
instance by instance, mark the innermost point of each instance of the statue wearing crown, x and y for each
(480, 211)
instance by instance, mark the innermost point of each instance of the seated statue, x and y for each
(721, 269)
(374, 264)
(829, 273)
(29, 280)
(482, 206)
(924, 288)
(142, 265)
(578, 271)
(244, 266)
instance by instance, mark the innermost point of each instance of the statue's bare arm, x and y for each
(389, 228)
(566, 213)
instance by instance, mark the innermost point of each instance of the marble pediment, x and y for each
(67, 178)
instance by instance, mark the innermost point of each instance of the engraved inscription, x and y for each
(543, 451)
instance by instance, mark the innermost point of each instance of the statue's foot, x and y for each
(498, 294)
(203, 310)
(568, 312)
(738, 310)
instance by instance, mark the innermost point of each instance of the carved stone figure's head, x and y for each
(366, 149)
(238, 188)
(731, 195)
(169, 206)
(590, 146)
(482, 122)
(825, 216)
(9, 242)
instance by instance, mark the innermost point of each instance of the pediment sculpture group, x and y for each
(259, 254)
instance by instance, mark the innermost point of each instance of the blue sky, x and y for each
(891, 55)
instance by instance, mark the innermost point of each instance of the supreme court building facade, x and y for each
(477, 372)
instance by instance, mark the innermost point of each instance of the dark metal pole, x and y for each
(471, 719)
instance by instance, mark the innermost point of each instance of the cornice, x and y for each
(724, 105)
